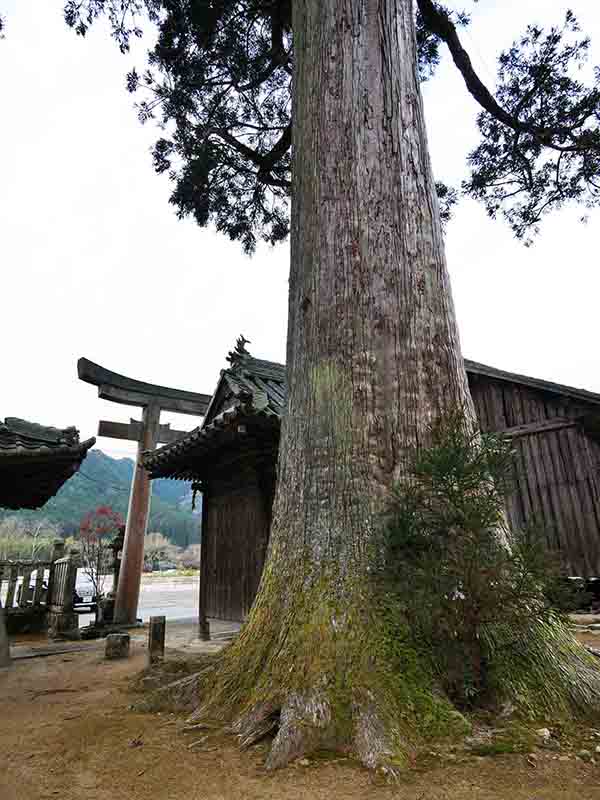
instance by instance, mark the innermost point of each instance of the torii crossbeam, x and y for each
(147, 433)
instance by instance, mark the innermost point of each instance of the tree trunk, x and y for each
(373, 348)
(373, 360)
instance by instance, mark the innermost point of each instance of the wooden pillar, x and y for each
(203, 624)
(4, 648)
(128, 590)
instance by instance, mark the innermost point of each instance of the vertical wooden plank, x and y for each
(550, 471)
(568, 533)
(578, 471)
(39, 586)
(476, 396)
(12, 585)
(26, 572)
(526, 473)
(541, 471)
(205, 533)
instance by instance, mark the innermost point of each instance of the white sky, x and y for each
(95, 263)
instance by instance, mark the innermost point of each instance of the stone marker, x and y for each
(156, 640)
(4, 649)
(117, 645)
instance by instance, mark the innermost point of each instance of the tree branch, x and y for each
(439, 23)
(265, 163)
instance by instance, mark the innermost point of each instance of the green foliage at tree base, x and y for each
(478, 598)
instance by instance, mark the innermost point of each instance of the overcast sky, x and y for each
(95, 263)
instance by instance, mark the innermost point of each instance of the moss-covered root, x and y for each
(308, 722)
(374, 744)
(544, 670)
(182, 695)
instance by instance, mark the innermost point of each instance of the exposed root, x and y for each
(544, 669)
(252, 726)
(182, 695)
(305, 725)
(374, 743)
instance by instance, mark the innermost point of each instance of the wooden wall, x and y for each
(235, 536)
(557, 470)
(557, 484)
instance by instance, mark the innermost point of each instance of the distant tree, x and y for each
(373, 352)
(190, 558)
(27, 538)
(96, 532)
(158, 548)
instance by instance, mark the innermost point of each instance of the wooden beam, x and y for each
(132, 431)
(120, 430)
(129, 397)
(532, 428)
(121, 389)
(166, 435)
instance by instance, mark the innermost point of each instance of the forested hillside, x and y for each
(103, 480)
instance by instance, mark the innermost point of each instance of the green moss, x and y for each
(357, 652)
(515, 738)
(543, 670)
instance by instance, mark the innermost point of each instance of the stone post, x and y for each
(58, 552)
(117, 646)
(63, 621)
(156, 640)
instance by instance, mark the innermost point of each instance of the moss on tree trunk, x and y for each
(373, 359)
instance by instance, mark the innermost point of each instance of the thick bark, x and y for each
(373, 348)
(373, 359)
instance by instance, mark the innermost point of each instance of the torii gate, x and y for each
(147, 433)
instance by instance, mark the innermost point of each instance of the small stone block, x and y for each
(117, 645)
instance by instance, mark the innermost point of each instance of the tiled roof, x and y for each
(255, 387)
(251, 390)
(35, 461)
(473, 368)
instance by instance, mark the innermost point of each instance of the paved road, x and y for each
(175, 598)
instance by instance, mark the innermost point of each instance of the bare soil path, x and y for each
(66, 731)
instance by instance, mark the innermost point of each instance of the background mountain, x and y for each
(103, 480)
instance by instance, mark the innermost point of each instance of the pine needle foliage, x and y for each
(218, 84)
(469, 588)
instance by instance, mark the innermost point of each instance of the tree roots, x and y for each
(380, 716)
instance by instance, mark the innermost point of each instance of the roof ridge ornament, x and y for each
(239, 353)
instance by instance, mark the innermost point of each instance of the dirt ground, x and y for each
(67, 731)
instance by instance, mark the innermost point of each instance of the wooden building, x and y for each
(231, 457)
(35, 461)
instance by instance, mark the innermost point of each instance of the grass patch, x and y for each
(515, 739)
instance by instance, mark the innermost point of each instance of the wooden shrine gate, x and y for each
(148, 433)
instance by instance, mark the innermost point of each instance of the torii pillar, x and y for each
(147, 433)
